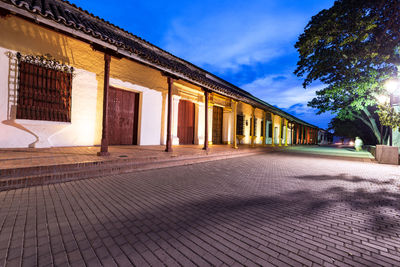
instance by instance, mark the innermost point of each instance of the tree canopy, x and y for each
(353, 128)
(353, 48)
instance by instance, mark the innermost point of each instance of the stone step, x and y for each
(41, 175)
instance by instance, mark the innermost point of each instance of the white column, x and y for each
(227, 126)
(175, 110)
(164, 110)
(199, 135)
(269, 138)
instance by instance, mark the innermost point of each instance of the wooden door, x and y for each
(186, 122)
(123, 107)
(217, 125)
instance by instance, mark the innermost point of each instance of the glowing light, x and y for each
(382, 99)
(392, 85)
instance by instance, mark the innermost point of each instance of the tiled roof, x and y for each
(71, 16)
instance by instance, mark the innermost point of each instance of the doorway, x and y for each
(186, 122)
(123, 109)
(218, 113)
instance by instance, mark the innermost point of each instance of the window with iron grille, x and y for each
(44, 91)
(270, 129)
(240, 124)
(255, 126)
(262, 128)
(251, 123)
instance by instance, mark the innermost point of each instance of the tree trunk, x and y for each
(386, 136)
(369, 120)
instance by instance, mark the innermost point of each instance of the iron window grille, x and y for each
(262, 128)
(240, 124)
(252, 133)
(45, 88)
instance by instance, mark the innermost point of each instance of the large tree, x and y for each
(353, 48)
(353, 128)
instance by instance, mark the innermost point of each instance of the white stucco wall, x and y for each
(150, 111)
(200, 124)
(11, 134)
(227, 126)
(258, 139)
(34, 133)
(81, 131)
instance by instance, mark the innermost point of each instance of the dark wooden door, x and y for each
(217, 125)
(123, 107)
(186, 122)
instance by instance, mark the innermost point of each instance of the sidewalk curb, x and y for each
(42, 175)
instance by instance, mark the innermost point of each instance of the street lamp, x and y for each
(392, 85)
(383, 99)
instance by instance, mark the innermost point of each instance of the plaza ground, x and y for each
(276, 208)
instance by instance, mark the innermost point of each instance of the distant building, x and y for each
(324, 137)
(68, 78)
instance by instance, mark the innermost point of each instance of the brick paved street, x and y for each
(273, 209)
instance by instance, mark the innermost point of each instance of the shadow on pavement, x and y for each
(345, 178)
(302, 206)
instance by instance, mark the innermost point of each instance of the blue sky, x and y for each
(248, 43)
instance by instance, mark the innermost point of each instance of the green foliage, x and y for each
(389, 116)
(352, 128)
(353, 48)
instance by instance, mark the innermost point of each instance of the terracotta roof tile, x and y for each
(74, 17)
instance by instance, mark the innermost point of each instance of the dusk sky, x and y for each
(248, 43)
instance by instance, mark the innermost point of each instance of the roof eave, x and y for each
(120, 50)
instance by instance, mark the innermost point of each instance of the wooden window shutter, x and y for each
(255, 127)
(43, 93)
(262, 128)
(240, 125)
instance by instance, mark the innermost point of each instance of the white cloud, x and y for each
(282, 90)
(228, 39)
(286, 92)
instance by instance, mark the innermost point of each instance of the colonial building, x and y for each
(69, 78)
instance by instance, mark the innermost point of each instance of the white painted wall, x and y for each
(11, 133)
(81, 130)
(258, 131)
(174, 122)
(200, 124)
(34, 133)
(150, 111)
(276, 134)
(227, 126)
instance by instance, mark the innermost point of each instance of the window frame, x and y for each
(44, 89)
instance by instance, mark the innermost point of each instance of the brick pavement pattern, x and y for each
(263, 210)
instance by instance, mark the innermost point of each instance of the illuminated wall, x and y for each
(87, 89)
